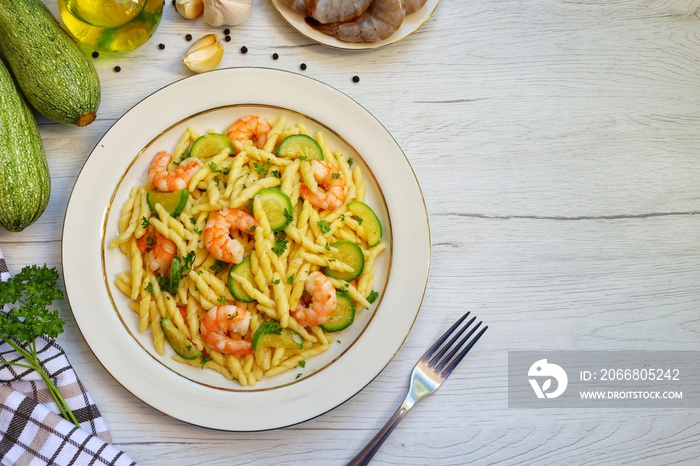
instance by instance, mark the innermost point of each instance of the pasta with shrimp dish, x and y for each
(248, 249)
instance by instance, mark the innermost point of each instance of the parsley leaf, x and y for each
(28, 295)
(260, 168)
(218, 266)
(372, 297)
(324, 226)
(280, 244)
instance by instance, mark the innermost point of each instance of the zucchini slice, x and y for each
(343, 315)
(300, 145)
(243, 269)
(210, 144)
(271, 334)
(173, 202)
(277, 207)
(369, 221)
(351, 254)
(181, 345)
(175, 274)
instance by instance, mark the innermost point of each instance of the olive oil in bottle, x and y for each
(111, 25)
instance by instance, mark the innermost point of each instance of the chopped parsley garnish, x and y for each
(372, 297)
(218, 266)
(280, 243)
(260, 168)
(324, 226)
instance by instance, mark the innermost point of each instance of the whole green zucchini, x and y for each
(24, 174)
(54, 73)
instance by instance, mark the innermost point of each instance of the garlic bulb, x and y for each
(226, 12)
(189, 9)
(204, 55)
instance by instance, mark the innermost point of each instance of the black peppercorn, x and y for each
(227, 31)
(356, 79)
(188, 37)
(161, 46)
(244, 49)
(227, 38)
(117, 68)
(303, 66)
(275, 56)
(95, 54)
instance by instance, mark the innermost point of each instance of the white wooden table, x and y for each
(556, 144)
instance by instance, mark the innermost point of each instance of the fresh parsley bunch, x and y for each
(29, 293)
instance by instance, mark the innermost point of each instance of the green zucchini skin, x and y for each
(55, 75)
(25, 185)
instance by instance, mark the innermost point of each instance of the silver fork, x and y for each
(430, 372)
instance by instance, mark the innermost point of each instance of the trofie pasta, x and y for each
(248, 250)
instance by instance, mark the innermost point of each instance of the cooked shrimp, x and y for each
(323, 301)
(250, 128)
(336, 11)
(223, 327)
(328, 177)
(217, 234)
(160, 251)
(413, 5)
(169, 181)
(382, 19)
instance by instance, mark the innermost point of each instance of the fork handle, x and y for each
(366, 454)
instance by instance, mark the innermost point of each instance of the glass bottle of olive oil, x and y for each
(111, 25)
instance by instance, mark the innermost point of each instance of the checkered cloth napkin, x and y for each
(32, 432)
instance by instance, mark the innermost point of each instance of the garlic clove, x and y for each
(189, 9)
(204, 55)
(226, 12)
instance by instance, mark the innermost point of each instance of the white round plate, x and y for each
(410, 24)
(203, 397)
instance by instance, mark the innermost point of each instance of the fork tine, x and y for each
(453, 348)
(431, 351)
(435, 360)
(448, 370)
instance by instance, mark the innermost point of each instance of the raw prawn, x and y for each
(323, 301)
(328, 177)
(298, 5)
(222, 328)
(336, 11)
(382, 19)
(160, 251)
(250, 128)
(169, 181)
(217, 234)
(413, 5)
